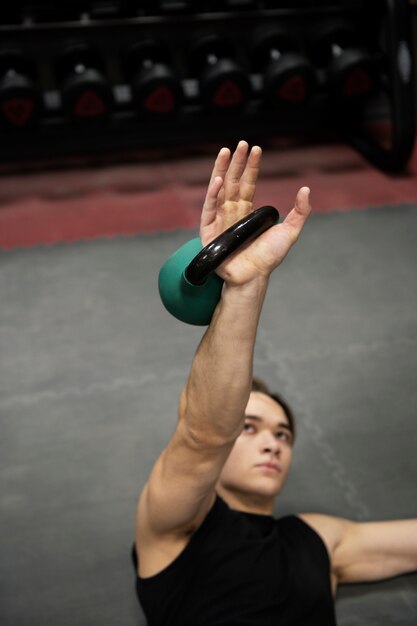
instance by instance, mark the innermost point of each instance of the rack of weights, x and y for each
(85, 77)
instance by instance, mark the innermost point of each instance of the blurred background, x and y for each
(111, 114)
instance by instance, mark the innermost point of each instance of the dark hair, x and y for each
(260, 386)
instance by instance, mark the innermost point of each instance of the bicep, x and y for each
(180, 489)
(373, 551)
(368, 551)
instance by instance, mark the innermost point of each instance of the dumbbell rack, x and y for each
(174, 22)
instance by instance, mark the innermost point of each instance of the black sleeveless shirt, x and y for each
(243, 569)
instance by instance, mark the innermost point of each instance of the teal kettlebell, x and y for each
(188, 286)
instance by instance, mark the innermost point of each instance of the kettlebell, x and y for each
(188, 287)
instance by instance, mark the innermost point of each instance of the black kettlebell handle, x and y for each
(243, 231)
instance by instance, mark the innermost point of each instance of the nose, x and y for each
(269, 443)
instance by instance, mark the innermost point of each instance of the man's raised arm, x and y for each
(219, 384)
(180, 489)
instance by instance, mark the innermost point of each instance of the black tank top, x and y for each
(243, 569)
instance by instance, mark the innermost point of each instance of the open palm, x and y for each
(230, 198)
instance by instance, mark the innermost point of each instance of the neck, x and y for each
(247, 502)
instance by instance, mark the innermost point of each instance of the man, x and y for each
(209, 551)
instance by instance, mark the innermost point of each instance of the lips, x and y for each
(271, 467)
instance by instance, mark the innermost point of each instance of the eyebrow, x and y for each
(256, 418)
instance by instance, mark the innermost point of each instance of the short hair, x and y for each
(259, 385)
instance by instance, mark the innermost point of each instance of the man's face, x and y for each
(261, 457)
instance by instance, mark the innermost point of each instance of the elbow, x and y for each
(201, 437)
(203, 426)
(211, 438)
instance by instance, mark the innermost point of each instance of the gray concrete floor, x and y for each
(91, 367)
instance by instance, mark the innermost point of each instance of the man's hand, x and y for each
(230, 198)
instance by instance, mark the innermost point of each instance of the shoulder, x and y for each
(331, 529)
(157, 551)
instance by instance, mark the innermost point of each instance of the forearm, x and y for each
(219, 384)
(214, 399)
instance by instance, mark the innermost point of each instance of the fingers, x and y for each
(239, 171)
(250, 174)
(210, 204)
(221, 164)
(242, 174)
(302, 205)
(215, 184)
(230, 170)
(298, 216)
(235, 171)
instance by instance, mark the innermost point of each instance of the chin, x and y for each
(266, 490)
(262, 487)
(269, 493)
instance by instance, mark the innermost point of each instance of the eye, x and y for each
(248, 428)
(284, 436)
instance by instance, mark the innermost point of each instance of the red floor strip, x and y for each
(62, 206)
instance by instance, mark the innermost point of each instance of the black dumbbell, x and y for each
(223, 85)
(288, 76)
(20, 98)
(156, 89)
(85, 91)
(352, 71)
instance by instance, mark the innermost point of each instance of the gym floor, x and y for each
(91, 365)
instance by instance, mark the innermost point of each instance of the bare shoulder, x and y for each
(157, 550)
(331, 529)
